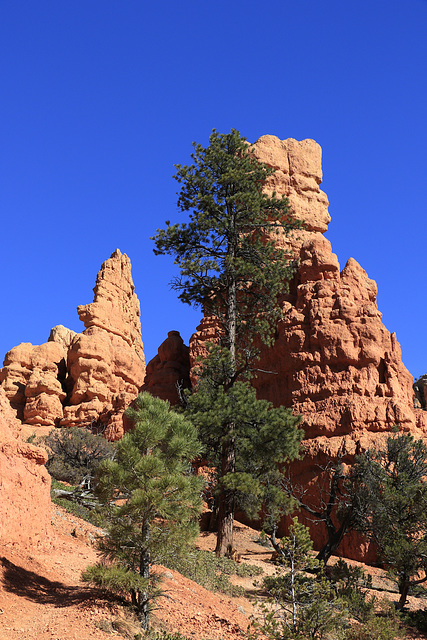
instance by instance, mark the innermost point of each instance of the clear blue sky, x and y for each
(99, 99)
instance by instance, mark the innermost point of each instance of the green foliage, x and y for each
(263, 436)
(350, 584)
(231, 267)
(417, 619)
(151, 500)
(224, 252)
(391, 490)
(301, 605)
(75, 454)
(211, 572)
(383, 626)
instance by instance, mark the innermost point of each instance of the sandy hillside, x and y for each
(42, 597)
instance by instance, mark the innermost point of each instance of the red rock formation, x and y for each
(334, 361)
(31, 379)
(81, 378)
(24, 485)
(106, 363)
(171, 366)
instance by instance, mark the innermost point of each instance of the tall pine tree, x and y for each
(263, 437)
(230, 265)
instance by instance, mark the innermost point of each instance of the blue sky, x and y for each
(100, 98)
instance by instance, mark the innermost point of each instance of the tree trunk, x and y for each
(144, 570)
(403, 590)
(224, 542)
(334, 539)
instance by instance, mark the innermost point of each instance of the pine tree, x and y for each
(263, 438)
(390, 497)
(152, 502)
(230, 265)
(304, 606)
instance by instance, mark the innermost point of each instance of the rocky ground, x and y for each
(42, 597)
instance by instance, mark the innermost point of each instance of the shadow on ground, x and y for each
(33, 586)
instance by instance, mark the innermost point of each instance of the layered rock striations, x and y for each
(82, 378)
(24, 485)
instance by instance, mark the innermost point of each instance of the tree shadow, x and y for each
(33, 586)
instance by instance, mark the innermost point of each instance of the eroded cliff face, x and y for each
(169, 370)
(334, 361)
(25, 518)
(89, 377)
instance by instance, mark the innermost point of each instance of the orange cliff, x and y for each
(24, 486)
(83, 378)
(334, 361)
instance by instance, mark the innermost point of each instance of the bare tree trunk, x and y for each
(144, 569)
(404, 584)
(224, 542)
(334, 538)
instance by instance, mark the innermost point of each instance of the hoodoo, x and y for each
(333, 361)
(82, 378)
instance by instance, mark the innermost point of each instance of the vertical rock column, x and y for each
(106, 365)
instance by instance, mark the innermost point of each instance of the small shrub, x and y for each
(262, 539)
(375, 628)
(299, 605)
(126, 627)
(350, 584)
(104, 625)
(75, 454)
(213, 573)
(417, 619)
(385, 625)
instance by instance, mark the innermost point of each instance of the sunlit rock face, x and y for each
(333, 361)
(24, 486)
(89, 377)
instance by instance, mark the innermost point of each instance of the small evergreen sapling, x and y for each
(152, 502)
(301, 605)
(391, 490)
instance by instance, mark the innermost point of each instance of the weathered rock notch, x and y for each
(89, 377)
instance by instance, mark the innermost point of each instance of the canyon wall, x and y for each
(24, 485)
(86, 378)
